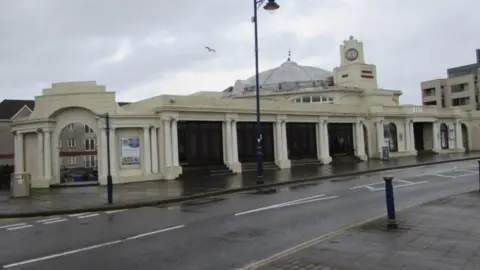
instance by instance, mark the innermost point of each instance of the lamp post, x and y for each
(271, 5)
(109, 172)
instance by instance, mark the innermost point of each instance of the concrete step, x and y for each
(249, 167)
(301, 162)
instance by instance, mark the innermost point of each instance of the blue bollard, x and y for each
(392, 220)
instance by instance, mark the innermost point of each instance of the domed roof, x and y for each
(288, 72)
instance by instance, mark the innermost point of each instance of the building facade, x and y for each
(460, 89)
(308, 114)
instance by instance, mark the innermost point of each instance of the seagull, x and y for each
(210, 49)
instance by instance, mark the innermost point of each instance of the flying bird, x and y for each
(210, 49)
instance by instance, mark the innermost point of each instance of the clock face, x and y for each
(351, 54)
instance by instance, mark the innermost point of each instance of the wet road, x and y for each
(219, 233)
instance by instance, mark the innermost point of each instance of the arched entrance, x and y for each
(77, 154)
(465, 137)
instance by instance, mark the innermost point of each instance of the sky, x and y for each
(144, 48)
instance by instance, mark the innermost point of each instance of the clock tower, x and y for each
(353, 70)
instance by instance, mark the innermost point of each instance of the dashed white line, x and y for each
(89, 216)
(80, 214)
(48, 219)
(115, 211)
(55, 221)
(19, 227)
(90, 247)
(13, 225)
(403, 185)
(290, 203)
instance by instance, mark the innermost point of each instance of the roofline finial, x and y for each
(289, 55)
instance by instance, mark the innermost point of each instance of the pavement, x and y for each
(45, 202)
(443, 234)
(236, 230)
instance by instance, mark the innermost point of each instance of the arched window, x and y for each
(444, 136)
(392, 140)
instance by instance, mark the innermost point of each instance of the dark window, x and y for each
(460, 101)
(430, 103)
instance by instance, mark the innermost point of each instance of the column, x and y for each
(228, 136)
(224, 142)
(326, 144)
(360, 140)
(154, 150)
(279, 140)
(103, 146)
(412, 135)
(234, 141)
(167, 134)
(406, 136)
(40, 155)
(174, 137)
(380, 138)
(320, 140)
(19, 149)
(113, 152)
(47, 155)
(284, 141)
(435, 135)
(146, 151)
(458, 135)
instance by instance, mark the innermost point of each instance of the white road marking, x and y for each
(13, 225)
(55, 221)
(48, 219)
(462, 175)
(173, 207)
(403, 181)
(90, 247)
(20, 227)
(115, 211)
(290, 203)
(80, 214)
(89, 216)
(469, 171)
(403, 185)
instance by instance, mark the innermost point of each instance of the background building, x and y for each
(459, 89)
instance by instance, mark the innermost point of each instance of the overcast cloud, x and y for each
(142, 48)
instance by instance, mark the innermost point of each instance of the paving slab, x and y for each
(436, 235)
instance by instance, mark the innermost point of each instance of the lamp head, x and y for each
(271, 5)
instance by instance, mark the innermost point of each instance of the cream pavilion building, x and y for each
(308, 114)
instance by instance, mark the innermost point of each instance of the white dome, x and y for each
(287, 73)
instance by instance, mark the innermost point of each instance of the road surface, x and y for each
(226, 232)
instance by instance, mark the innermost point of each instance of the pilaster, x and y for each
(360, 139)
(281, 147)
(40, 159)
(459, 136)
(230, 149)
(147, 162)
(325, 157)
(154, 141)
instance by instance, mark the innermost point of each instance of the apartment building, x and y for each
(460, 88)
(77, 143)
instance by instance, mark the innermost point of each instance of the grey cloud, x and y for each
(58, 40)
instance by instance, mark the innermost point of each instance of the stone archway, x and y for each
(75, 143)
(77, 154)
(465, 141)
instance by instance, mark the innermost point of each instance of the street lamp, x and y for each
(109, 173)
(271, 5)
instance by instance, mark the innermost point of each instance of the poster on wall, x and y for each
(131, 151)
